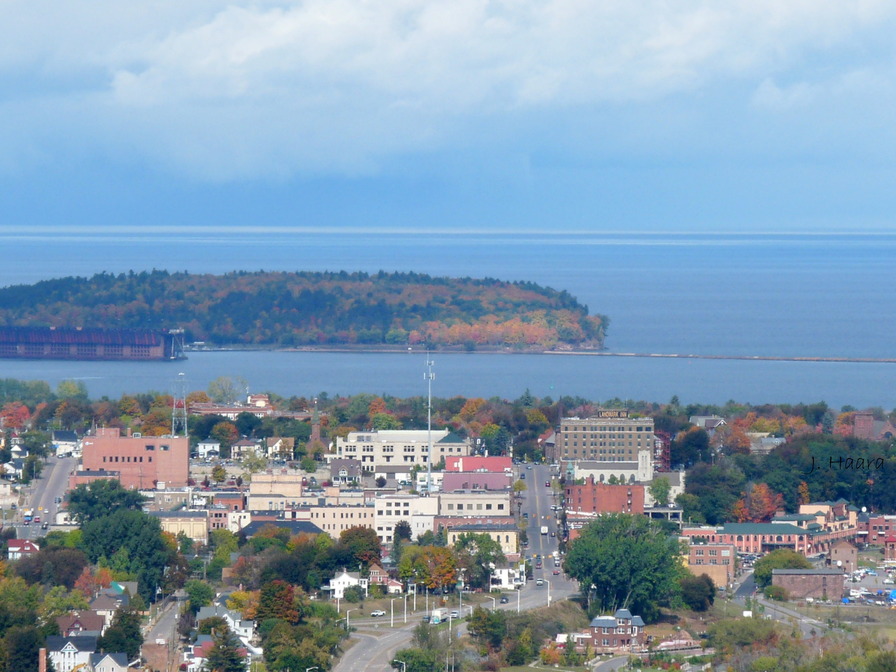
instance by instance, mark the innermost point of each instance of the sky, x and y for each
(530, 115)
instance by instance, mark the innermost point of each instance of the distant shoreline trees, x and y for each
(281, 309)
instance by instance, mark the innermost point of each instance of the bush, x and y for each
(777, 593)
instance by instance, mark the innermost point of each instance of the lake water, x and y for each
(750, 295)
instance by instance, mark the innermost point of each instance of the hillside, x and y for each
(303, 309)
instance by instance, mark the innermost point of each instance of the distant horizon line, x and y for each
(36, 232)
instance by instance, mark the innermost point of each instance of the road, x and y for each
(370, 652)
(42, 494)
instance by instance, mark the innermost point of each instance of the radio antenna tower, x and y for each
(179, 410)
(429, 376)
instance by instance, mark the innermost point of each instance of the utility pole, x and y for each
(429, 376)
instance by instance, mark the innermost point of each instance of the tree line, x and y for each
(293, 309)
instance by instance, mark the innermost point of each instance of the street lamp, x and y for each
(348, 622)
(392, 611)
(494, 602)
(404, 665)
(308, 669)
(548, 581)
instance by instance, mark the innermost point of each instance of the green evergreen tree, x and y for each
(224, 656)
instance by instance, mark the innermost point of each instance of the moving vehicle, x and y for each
(504, 599)
(547, 484)
(27, 515)
(377, 612)
(544, 529)
(437, 616)
(455, 613)
(539, 582)
(556, 572)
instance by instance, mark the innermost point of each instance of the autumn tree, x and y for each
(758, 506)
(277, 600)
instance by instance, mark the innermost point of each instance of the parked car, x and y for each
(377, 612)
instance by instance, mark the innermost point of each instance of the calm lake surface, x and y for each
(750, 295)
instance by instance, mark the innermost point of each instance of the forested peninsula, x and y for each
(323, 309)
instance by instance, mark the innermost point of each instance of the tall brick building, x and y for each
(142, 462)
(610, 435)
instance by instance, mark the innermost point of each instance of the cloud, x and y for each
(262, 89)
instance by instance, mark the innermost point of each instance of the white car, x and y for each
(377, 612)
(888, 581)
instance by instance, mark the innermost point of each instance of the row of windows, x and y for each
(594, 429)
(460, 507)
(712, 561)
(126, 458)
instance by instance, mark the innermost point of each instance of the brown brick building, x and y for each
(142, 462)
(602, 498)
(815, 583)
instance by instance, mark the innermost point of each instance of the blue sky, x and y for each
(527, 115)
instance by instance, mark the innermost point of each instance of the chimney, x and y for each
(42, 660)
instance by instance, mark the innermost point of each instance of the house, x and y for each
(109, 662)
(344, 580)
(65, 443)
(81, 623)
(620, 633)
(68, 653)
(244, 448)
(280, 447)
(241, 627)
(195, 656)
(343, 471)
(206, 450)
(107, 605)
(16, 549)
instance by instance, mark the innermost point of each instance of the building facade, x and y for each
(609, 436)
(142, 462)
(717, 561)
(399, 447)
(595, 497)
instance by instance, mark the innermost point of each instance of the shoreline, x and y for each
(568, 353)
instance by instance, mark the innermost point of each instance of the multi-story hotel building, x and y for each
(399, 447)
(609, 436)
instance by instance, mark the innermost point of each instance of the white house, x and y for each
(67, 653)
(16, 549)
(66, 443)
(208, 449)
(344, 580)
(242, 628)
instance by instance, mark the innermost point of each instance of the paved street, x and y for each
(371, 652)
(42, 493)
